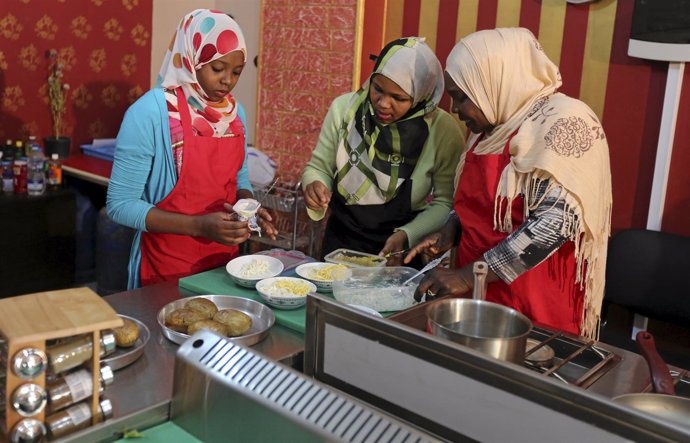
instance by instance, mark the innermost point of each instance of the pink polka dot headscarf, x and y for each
(202, 36)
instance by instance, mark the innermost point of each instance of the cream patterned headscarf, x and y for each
(506, 73)
(202, 36)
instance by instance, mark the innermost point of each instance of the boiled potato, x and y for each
(180, 319)
(202, 305)
(237, 322)
(208, 324)
(127, 334)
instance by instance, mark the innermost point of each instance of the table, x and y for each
(37, 241)
(141, 393)
(91, 169)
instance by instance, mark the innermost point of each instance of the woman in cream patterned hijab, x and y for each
(533, 194)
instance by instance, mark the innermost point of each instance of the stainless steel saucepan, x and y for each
(663, 402)
(491, 328)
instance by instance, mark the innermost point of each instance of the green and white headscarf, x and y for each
(374, 159)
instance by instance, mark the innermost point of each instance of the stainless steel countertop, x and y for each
(141, 392)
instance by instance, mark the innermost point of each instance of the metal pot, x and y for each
(491, 328)
(663, 403)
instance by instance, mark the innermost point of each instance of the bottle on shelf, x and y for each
(30, 143)
(19, 169)
(77, 350)
(54, 172)
(75, 418)
(7, 175)
(19, 151)
(8, 150)
(74, 387)
(36, 171)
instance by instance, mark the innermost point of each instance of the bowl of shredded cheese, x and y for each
(247, 270)
(322, 274)
(285, 292)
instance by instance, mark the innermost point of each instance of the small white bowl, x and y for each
(307, 271)
(284, 300)
(237, 268)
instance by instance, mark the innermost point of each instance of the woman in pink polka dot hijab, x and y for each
(180, 158)
(201, 37)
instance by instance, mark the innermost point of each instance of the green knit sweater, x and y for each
(433, 174)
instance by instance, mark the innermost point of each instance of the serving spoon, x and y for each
(432, 264)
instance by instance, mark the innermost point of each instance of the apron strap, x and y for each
(183, 109)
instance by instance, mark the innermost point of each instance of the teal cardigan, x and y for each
(144, 170)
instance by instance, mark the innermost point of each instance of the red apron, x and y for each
(208, 179)
(547, 293)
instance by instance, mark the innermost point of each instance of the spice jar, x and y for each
(75, 417)
(28, 430)
(74, 387)
(28, 363)
(74, 352)
(29, 399)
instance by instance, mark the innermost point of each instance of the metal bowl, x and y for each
(261, 315)
(126, 356)
(495, 330)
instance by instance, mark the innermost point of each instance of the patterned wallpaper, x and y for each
(307, 56)
(105, 47)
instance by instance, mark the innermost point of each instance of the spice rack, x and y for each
(285, 201)
(29, 321)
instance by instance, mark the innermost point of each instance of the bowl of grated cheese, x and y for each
(247, 270)
(285, 292)
(322, 274)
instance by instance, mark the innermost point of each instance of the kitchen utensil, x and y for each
(432, 264)
(393, 254)
(262, 318)
(491, 328)
(381, 289)
(663, 402)
(479, 269)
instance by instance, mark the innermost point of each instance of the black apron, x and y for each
(366, 228)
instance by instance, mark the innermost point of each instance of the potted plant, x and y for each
(57, 99)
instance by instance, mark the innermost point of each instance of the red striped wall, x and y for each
(626, 92)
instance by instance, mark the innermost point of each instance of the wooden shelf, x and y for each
(29, 321)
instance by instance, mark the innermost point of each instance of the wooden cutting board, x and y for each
(218, 282)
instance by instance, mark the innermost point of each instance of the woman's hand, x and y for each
(395, 243)
(224, 228)
(432, 246)
(263, 217)
(317, 196)
(441, 281)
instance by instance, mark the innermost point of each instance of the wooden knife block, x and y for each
(29, 321)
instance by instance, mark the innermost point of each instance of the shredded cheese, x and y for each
(328, 272)
(254, 269)
(288, 288)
